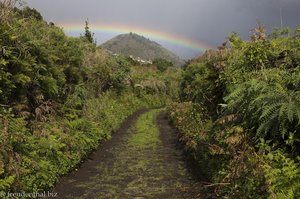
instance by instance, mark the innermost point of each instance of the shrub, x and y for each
(162, 64)
(251, 93)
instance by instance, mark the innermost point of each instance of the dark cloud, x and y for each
(207, 21)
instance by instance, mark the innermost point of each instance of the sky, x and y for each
(187, 27)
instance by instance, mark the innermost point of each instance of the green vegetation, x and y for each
(148, 80)
(59, 98)
(162, 64)
(237, 108)
(147, 133)
(88, 34)
(140, 47)
(239, 115)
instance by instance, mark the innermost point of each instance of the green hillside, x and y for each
(139, 46)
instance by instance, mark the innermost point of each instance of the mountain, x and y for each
(138, 46)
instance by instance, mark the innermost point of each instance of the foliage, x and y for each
(148, 80)
(120, 73)
(272, 102)
(88, 34)
(200, 82)
(31, 69)
(162, 64)
(251, 91)
(283, 174)
(59, 98)
(192, 120)
(28, 12)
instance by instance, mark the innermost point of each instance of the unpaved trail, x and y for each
(141, 161)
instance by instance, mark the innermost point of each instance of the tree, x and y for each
(31, 12)
(88, 34)
(162, 64)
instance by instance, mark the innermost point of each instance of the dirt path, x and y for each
(141, 161)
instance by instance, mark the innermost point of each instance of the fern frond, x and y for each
(267, 111)
(290, 111)
(297, 113)
(282, 111)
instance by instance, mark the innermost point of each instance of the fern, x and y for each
(5, 182)
(268, 108)
(283, 175)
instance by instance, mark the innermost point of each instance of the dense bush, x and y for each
(251, 92)
(36, 158)
(149, 80)
(59, 97)
(201, 83)
(162, 64)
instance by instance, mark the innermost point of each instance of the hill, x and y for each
(138, 46)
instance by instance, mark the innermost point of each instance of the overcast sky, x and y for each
(205, 21)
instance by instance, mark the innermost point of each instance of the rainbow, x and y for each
(152, 34)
